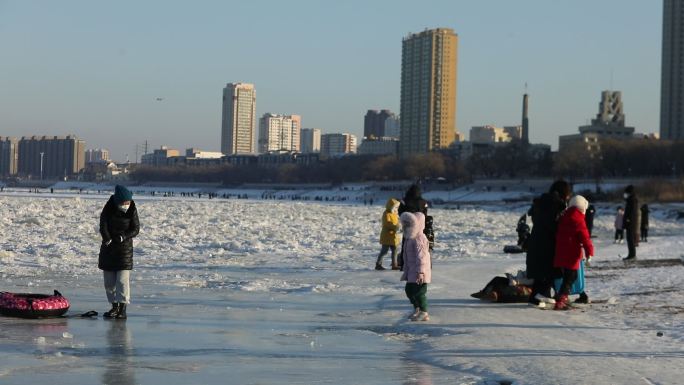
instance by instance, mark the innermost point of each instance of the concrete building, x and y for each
(374, 123)
(238, 127)
(9, 156)
(392, 127)
(491, 134)
(672, 72)
(279, 133)
(50, 156)
(159, 157)
(334, 145)
(379, 146)
(199, 154)
(609, 123)
(97, 155)
(310, 140)
(428, 91)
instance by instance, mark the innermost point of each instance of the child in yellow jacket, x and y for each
(389, 236)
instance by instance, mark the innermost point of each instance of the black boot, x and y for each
(122, 312)
(112, 313)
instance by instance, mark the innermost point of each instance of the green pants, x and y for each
(416, 294)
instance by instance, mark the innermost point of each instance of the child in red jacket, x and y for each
(572, 237)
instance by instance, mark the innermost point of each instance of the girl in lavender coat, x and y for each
(417, 265)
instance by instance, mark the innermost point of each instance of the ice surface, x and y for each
(266, 292)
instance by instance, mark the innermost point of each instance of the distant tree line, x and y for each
(620, 158)
(637, 158)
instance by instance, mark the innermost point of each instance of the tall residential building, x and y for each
(279, 132)
(98, 155)
(310, 140)
(428, 91)
(672, 72)
(333, 145)
(374, 123)
(238, 127)
(51, 156)
(9, 156)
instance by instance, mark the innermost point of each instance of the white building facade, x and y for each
(238, 126)
(279, 133)
(334, 145)
(310, 140)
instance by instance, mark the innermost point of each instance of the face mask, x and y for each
(625, 195)
(124, 208)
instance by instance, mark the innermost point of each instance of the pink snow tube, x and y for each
(33, 305)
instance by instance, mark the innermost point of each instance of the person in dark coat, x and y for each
(118, 226)
(630, 222)
(644, 222)
(589, 218)
(413, 202)
(541, 245)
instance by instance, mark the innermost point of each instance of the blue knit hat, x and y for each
(122, 194)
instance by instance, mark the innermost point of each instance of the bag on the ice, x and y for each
(577, 287)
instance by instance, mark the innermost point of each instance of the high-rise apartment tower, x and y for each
(238, 126)
(428, 91)
(672, 72)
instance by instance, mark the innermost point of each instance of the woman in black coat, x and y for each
(541, 245)
(630, 222)
(118, 226)
(644, 222)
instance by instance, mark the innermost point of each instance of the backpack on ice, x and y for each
(577, 286)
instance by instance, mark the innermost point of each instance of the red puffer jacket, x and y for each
(571, 237)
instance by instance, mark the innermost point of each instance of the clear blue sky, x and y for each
(95, 68)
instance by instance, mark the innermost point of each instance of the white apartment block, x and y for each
(310, 140)
(238, 126)
(98, 155)
(279, 133)
(333, 145)
(490, 134)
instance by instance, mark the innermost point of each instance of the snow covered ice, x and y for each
(266, 292)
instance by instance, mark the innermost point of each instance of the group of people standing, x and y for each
(561, 239)
(414, 258)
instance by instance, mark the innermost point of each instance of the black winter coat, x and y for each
(541, 245)
(630, 221)
(113, 224)
(413, 205)
(644, 216)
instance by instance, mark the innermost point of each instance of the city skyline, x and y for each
(117, 78)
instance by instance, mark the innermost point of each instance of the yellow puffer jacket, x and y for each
(389, 235)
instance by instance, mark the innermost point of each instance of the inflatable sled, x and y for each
(33, 305)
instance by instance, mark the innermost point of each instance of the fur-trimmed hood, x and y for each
(580, 202)
(413, 224)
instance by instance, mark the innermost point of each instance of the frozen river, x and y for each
(252, 292)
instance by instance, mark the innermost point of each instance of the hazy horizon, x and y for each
(96, 70)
